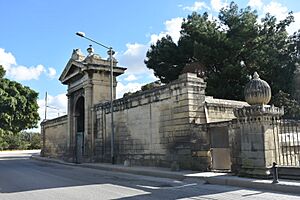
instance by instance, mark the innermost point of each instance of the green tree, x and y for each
(18, 106)
(231, 49)
(32, 138)
(15, 141)
(163, 56)
(3, 143)
(21, 140)
(291, 106)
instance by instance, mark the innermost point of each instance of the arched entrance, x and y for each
(79, 118)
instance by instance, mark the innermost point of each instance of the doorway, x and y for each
(220, 151)
(79, 117)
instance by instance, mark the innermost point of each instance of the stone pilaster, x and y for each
(71, 127)
(69, 111)
(88, 105)
(257, 138)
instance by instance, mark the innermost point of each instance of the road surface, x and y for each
(23, 178)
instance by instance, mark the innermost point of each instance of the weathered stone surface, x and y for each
(257, 138)
(164, 125)
(257, 91)
(55, 137)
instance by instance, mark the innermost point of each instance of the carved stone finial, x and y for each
(257, 91)
(77, 55)
(255, 75)
(112, 53)
(92, 57)
(90, 50)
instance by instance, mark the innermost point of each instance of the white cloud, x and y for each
(133, 58)
(256, 4)
(130, 77)
(172, 28)
(20, 72)
(6, 59)
(134, 49)
(281, 12)
(216, 5)
(134, 86)
(57, 106)
(197, 6)
(152, 77)
(51, 72)
(276, 9)
(130, 87)
(294, 26)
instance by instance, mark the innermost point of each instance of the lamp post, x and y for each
(110, 53)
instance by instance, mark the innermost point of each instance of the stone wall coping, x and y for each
(133, 97)
(258, 110)
(54, 120)
(215, 124)
(160, 90)
(211, 101)
(219, 124)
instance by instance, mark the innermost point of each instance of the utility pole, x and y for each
(46, 106)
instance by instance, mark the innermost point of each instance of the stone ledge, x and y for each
(256, 111)
(60, 119)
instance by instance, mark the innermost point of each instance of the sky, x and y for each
(37, 37)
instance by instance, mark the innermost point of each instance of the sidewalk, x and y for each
(285, 186)
(18, 153)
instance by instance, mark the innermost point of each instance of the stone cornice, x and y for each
(256, 111)
(55, 120)
(75, 68)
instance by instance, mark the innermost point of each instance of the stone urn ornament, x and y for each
(257, 91)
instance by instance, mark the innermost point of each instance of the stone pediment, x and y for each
(92, 63)
(72, 71)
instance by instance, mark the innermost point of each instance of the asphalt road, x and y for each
(22, 178)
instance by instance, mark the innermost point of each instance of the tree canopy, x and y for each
(231, 48)
(18, 106)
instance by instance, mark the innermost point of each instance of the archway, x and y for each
(79, 117)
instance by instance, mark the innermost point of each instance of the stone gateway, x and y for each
(174, 125)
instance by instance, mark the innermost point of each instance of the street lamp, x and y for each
(110, 53)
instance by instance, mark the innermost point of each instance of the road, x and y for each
(23, 178)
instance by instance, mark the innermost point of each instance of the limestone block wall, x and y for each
(55, 137)
(165, 126)
(234, 133)
(200, 146)
(218, 110)
(153, 127)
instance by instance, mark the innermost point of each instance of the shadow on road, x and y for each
(20, 175)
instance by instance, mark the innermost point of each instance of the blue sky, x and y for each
(37, 36)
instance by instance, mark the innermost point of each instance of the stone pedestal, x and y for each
(257, 138)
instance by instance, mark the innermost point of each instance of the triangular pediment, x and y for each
(72, 69)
